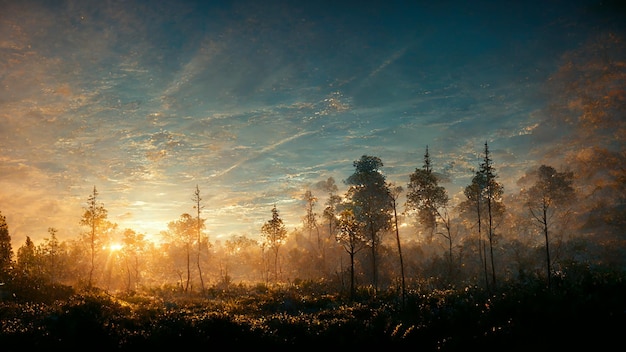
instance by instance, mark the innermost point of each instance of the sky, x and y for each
(254, 102)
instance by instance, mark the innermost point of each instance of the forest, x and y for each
(543, 268)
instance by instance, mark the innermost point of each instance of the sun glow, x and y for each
(114, 247)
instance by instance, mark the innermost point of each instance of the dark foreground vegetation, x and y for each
(585, 308)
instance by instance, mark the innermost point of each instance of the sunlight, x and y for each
(114, 247)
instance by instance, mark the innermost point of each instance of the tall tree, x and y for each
(310, 218)
(484, 198)
(473, 205)
(430, 201)
(394, 194)
(369, 193)
(50, 250)
(132, 252)
(548, 196)
(486, 193)
(425, 195)
(95, 219)
(350, 237)
(332, 203)
(199, 227)
(493, 195)
(6, 251)
(274, 234)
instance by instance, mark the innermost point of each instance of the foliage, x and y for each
(425, 195)
(274, 234)
(584, 308)
(6, 251)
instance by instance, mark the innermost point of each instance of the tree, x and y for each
(184, 231)
(199, 227)
(95, 219)
(369, 194)
(425, 195)
(132, 250)
(310, 219)
(6, 251)
(393, 195)
(430, 201)
(274, 234)
(492, 193)
(332, 203)
(473, 204)
(484, 196)
(50, 251)
(549, 195)
(27, 260)
(350, 237)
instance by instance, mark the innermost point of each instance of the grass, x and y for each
(586, 311)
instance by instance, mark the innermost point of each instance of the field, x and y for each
(588, 310)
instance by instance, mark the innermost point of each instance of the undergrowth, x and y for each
(588, 310)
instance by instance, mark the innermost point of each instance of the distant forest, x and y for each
(560, 219)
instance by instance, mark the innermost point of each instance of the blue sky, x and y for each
(257, 101)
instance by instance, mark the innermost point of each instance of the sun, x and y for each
(114, 247)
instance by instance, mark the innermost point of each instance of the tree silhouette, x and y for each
(27, 265)
(310, 218)
(184, 231)
(132, 252)
(51, 252)
(394, 194)
(6, 251)
(549, 195)
(332, 203)
(199, 227)
(431, 202)
(425, 195)
(484, 197)
(492, 193)
(95, 219)
(350, 237)
(274, 234)
(369, 194)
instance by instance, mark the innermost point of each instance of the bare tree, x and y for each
(393, 195)
(199, 227)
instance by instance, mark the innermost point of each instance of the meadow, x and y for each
(583, 309)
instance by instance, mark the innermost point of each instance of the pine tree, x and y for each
(274, 234)
(6, 251)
